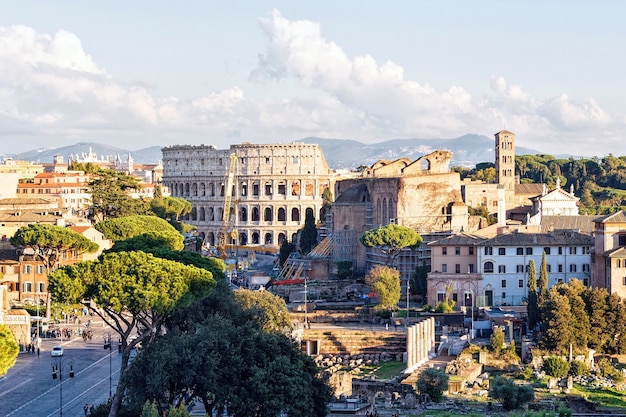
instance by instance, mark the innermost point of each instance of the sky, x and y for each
(134, 74)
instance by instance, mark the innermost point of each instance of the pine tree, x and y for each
(308, 237)
(542, 284)
(533, 306)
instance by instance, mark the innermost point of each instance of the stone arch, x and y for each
(281, 238)
(295, 214)
(391, 212)
(267, 214)
(256, 215)
(194, 214)
(243, 238)
(267, 240)
(256, 238)
(281, 214)
(194, 189)
(385, 217)
(187, 189)
(309, 212)
(211, 214)
(425, 164)
(212, 189)
(488, 267)
(202, 189)
(202, 214)
(379, 219)
(243, 214)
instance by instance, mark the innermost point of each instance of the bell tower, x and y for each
(505, 159)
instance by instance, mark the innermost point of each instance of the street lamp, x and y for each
(107, 345)
(57, 372)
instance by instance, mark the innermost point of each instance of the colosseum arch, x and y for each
(243, 238)
(194, 214)
(212, 189)
(282, 214)
(256, 238)
(202, 214)
(186, 189)
(295, 214)
(281, 238)
(309, 212)
(268, 239)
(211, 216)
(194, 189)
(202, 189)
(243, 214)
(256, 215)
(267, 214)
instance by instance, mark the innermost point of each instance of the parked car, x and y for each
(57, 351)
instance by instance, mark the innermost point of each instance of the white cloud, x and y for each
(51, 89)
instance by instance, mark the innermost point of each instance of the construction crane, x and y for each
(225, 229)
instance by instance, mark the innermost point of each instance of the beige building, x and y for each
(609, 255)
(274, 187)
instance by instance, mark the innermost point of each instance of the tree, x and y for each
(511, 394)
(286, 249)
(9, 349)
(121, 228)
(269, 310)
(555, 366)
(49, 243)
(419, 284)
(110, 195)
(385, 283)
(496, 340)
(390, 240)
(596, 302)
(556, 325)
(308, 236)
(542, 284)
(148, 241)
(434, 382)
(134, 291)
(532, 307)
(217, 352)
(327, 202)
(171, 209)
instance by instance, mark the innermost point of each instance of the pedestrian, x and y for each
(86, 408)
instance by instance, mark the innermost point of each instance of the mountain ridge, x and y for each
(467, 150)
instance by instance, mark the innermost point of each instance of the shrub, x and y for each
(555, 366)
(511, 394)
(578, 368)
(496, 341)
(526, 373)
(433, 382)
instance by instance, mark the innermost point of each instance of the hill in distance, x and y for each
(467, 151)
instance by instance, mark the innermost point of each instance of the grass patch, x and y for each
(607, 397)
(385, 370)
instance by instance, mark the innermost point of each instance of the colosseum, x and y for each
(274, 188)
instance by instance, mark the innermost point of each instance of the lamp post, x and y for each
(408, 291)
(306, 307)
(57, 372)
(107, 345)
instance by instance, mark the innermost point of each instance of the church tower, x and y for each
(505, 159)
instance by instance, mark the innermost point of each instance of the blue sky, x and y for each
(143, 73)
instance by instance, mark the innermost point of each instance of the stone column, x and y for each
(410, 341)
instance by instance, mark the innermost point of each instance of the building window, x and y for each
(40, 269)
(444, 267)
(457, 250)
(548, 268)
(444, 250)
(488, 267)
(471, 250)
(529, 251)
(40, 287)
(502, 269)
(559, 280)
(267, 160)
(282, 189)
(520, 283)
(501, 251)
(28, 287)
(519, 269)
(621, 240)
(520, 251)
(546, 251)
(27, 269)
(489, 251)
(586, 281)
(572, 250)
(560, 250)
(572, 268)
(504, 283)
(560, 267)
(457, 268)
(586, 268)
(470, 268)
(624, 281)
(503, 298)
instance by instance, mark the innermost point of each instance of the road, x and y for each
(29, 390)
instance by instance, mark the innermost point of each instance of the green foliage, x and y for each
(385, 283)
(344, 269)
(511, 394)
(482, 212)
(496, 340)
(122, 228)
(218, 351)
(542, 283)
(110, 196)
(308, 236)
(555, 366)
(391, 239)
(150, 410)
(9, 349)
(178, 411)
(557, 333)
(434, 382)
(269, 310)
(146, 242)
(418, 280)
(49, 242)
(171, 209)
(605, 368)
(526, 373)
(532, 307)
(445, 306)
(578, 368)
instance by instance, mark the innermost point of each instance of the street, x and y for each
(28, 388)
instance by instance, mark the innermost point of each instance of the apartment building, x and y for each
(609, 253)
